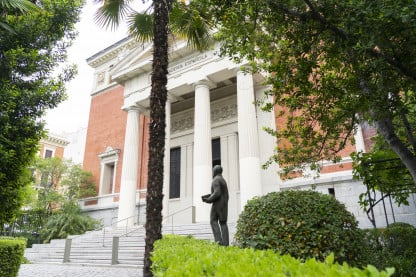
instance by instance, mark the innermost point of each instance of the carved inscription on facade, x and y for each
(185, 121)
(188, 63)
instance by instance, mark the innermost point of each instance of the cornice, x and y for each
(55, 140)
(111, 52)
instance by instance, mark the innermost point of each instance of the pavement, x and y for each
(68, 270)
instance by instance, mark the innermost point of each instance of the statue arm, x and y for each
(215, 195)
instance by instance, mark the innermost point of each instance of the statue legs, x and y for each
(220, 230)
(224, 233)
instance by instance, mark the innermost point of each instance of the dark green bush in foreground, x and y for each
(11, 255)
(185, 256)
(394, 246)
(303, 224)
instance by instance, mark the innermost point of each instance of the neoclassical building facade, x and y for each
(211, 119)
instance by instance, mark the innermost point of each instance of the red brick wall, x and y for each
(330, 168)
(59, 152)
(107, 127)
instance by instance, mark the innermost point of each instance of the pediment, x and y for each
(139, 60)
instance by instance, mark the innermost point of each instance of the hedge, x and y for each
(11, 255)
(184, 256)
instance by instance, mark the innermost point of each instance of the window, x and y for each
(48, 153)
(216, 152)
(108, 160)
(175, 173)
(108, 178)
(331, 191)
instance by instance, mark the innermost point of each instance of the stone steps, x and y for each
(95, 247)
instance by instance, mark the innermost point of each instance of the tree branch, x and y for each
(408, 128)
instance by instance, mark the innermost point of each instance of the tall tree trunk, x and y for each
(158, 98)
(385, 128)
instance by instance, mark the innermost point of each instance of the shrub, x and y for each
(11, 255)
(68, 221)
(394, 246)
(185, 256)
(304, 224)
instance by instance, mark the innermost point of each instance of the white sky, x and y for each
(72, 114)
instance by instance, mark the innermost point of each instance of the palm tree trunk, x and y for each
(158, 98)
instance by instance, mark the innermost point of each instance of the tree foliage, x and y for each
(331, 65)
(78, 183)
(52, 211)
(48, 175)
(382, 171)
(14, 7)
(191, 22)
(30, 85)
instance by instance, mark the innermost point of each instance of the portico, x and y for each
(210, 101)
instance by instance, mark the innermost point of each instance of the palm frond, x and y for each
(7, 28)
(141, 26)
(20, 5)
(192, 23)
(112, 12)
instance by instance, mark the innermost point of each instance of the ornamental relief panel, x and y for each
(185, 121)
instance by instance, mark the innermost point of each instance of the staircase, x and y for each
(96, 247)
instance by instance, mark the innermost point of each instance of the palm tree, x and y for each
(186, 22)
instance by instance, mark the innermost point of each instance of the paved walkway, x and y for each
(65, 270)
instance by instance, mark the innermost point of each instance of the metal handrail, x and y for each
(174, 213)
(118, 221)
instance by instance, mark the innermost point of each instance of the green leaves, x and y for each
(30, 84)
(304, 224)
(68, 221)
(141, 26)
(191, 22)
(330, 66)
(184, 256)
(11, 255)
(112, 13)
(394, 247)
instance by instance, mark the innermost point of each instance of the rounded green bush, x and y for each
(303, 224)
(394, 246)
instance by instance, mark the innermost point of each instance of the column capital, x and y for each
(244, 69)
(172, 98)
(205, 83)
(135, 108)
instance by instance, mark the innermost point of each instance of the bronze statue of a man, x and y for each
(219, 209)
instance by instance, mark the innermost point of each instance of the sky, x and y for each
(72, 114)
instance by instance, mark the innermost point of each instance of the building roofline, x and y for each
(114, 45)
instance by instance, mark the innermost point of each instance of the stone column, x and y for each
(250, 177)
(128, 186)
(166, 165)
(202, 151)
(359, 139)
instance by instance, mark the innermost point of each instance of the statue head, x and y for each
(217, 170)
